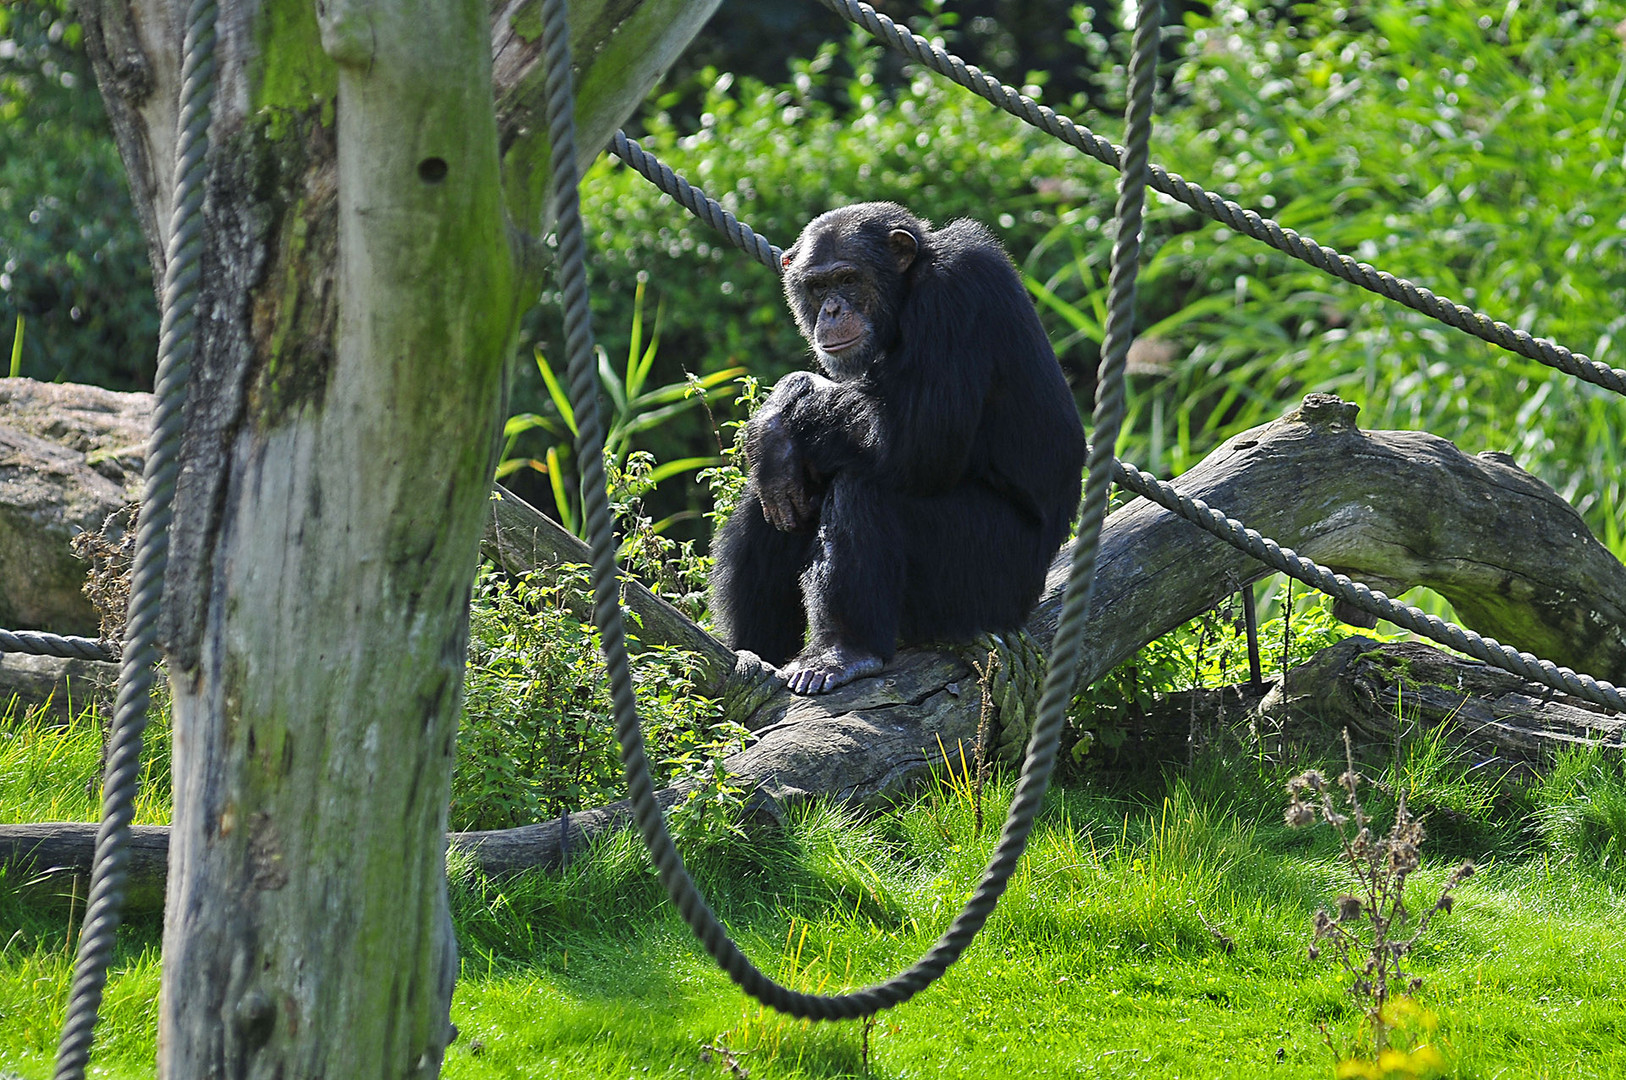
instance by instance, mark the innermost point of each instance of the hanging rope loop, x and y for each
(1046, 736)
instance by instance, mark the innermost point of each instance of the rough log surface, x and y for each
(60, 855)
(1375, 510)
(1383, 692)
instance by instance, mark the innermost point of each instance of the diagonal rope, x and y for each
(1368, 599)
(695, 201)
(176, 345)
(1241, 219)
(607, 613)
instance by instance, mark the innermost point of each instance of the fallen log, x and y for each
(1395, 509)
(1382, 693)
(60, 853)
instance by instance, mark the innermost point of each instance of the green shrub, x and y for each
(537, 735)
(1210, 651)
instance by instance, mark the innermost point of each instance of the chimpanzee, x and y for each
(918, 489)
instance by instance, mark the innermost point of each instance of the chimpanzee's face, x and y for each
(844, 281)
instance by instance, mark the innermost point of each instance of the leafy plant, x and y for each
(633, 410)
(1496, 179)
(1208, 652)
(536, 737)
(726, 482)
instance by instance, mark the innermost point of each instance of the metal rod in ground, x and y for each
(1250, 618)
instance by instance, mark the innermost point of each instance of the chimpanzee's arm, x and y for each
(808, 430)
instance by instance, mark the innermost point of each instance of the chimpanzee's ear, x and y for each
(904, 245)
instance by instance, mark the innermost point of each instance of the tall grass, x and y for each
(51, 769)
(1478, 154)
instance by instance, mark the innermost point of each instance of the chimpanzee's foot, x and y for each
(819, 671)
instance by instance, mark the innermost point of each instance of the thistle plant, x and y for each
(1370, 930)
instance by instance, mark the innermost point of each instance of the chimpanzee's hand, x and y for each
(790, 500)
(787, 485)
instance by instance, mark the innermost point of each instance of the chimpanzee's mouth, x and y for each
(840, 346)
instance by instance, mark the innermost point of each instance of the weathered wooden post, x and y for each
(371, 161)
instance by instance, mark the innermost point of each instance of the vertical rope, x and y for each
(1120, 330)
(1107, 422)
(176, 345)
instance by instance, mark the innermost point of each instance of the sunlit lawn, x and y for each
(1098, 962)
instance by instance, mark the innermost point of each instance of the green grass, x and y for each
(1098, 961)
(51, 770)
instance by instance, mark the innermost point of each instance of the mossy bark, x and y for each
(360, 296)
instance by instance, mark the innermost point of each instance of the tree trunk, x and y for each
(361, 293)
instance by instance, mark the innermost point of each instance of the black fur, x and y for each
(918, 490)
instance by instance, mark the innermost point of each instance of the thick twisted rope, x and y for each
(607, 612)
(69, 648)
(695, 201)
(1223, 210)
(176, 345)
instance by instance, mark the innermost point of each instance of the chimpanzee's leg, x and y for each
(975, 563)
(853, 586)
(756, 596)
